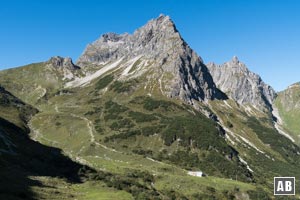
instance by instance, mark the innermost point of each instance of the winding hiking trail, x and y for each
(89, 126)
(91, 130)
(36, 135)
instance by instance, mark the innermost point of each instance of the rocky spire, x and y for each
(242, 85)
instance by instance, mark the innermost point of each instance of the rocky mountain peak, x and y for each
(236, 65)
(60, 62)
(235, 60)
(157, 42)
(155, 37)
(242, 85)
(161, 24)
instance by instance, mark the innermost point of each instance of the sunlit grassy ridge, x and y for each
(288, 104)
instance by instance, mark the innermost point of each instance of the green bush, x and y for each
(152, 104)
(122, 135)
(125, 86)
(113, 111)
(259, 193)
(143, 152)
(113, 107)
(141, 117)
(103, 82)
(279, 143)
(99, 129)
(136, 182)
(151, 130)
(194, 131)
(229, 124)
(124, 123)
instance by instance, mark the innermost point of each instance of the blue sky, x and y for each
(264, 34)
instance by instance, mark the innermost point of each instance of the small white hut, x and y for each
(196, 173)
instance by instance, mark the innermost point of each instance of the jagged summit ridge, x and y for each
(242, 85)
(149, 40)
(160, 44)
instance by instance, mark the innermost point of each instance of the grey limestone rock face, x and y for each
(64, 66)
(60, 62)
(242, 85)
(160, 43)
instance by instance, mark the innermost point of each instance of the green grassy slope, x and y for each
(252, 133)
(135, 134)
(288, 105)
(35, 82)
(30, 170)
(22, 158)
(142, 144)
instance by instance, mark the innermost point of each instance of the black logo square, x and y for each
(284, 185)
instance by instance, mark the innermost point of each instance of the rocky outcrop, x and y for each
(159, 43)
(60, 62)
(64, 66)
(242, 85)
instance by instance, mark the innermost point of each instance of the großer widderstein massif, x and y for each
(141, 116)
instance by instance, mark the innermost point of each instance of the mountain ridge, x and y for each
(288, 106)
(145, 110)
(242, 85)
(160, 44)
